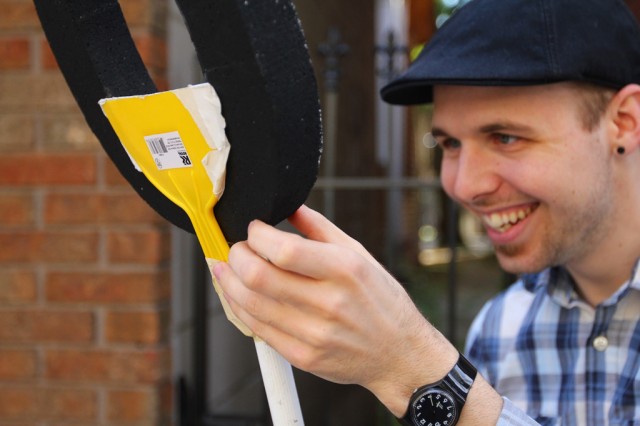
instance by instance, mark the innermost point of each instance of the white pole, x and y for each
(280, 386)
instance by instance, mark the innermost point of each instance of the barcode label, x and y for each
(168, 151)
(156, 145)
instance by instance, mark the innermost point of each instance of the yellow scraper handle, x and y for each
(164, 141)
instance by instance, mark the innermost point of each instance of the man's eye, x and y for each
(506, 139)
(450, 143)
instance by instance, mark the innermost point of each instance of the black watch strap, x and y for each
(456, 383)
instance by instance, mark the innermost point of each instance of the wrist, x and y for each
(483, 405)
(430, 359)
(442, 402)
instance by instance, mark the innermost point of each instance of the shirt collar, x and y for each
(560, 285)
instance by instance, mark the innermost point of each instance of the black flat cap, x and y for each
(525, 42)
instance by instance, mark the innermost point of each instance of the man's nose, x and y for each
(476, 175)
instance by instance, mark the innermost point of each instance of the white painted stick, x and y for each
(277, 374)
(282, 395)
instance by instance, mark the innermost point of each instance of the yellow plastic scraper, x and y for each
(177, 140)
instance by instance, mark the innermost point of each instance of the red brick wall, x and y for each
(84, 273)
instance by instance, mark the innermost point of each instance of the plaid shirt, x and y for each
(560, 360)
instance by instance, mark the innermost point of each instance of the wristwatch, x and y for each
(440, 403)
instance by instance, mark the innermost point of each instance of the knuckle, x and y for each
(253, 275)
(359, 268)
(322, 339)
(304, 357)
(353, 270)
(253, 306)
(287, 251)
(335, 305)
(237, 252)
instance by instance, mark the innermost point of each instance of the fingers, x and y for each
(320, 303)
(316, 227)
(264, 277)
(249, 307)
(291, 252)
(240, 298)
(289, 330)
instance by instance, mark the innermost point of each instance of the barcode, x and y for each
(156, 145)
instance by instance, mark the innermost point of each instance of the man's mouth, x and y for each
(503, 221)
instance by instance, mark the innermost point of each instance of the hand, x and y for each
(328, 307)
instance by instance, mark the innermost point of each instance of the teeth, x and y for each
(504, 221)
(495, 221)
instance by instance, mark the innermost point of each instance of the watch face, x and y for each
(434, 407)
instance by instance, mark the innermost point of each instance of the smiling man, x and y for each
(537, 111)
(524, 160)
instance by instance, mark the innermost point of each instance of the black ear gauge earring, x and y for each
(620, 150)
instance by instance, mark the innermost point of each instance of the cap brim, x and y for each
(411, 92)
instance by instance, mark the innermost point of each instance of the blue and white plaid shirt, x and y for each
(558, 359)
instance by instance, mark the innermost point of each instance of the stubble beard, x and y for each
(571, 236)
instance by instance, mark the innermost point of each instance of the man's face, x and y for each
(521, 159)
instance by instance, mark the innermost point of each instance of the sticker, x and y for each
(168, 151)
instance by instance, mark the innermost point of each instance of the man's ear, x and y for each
(624, 110)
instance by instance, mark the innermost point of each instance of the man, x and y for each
(537, 110)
